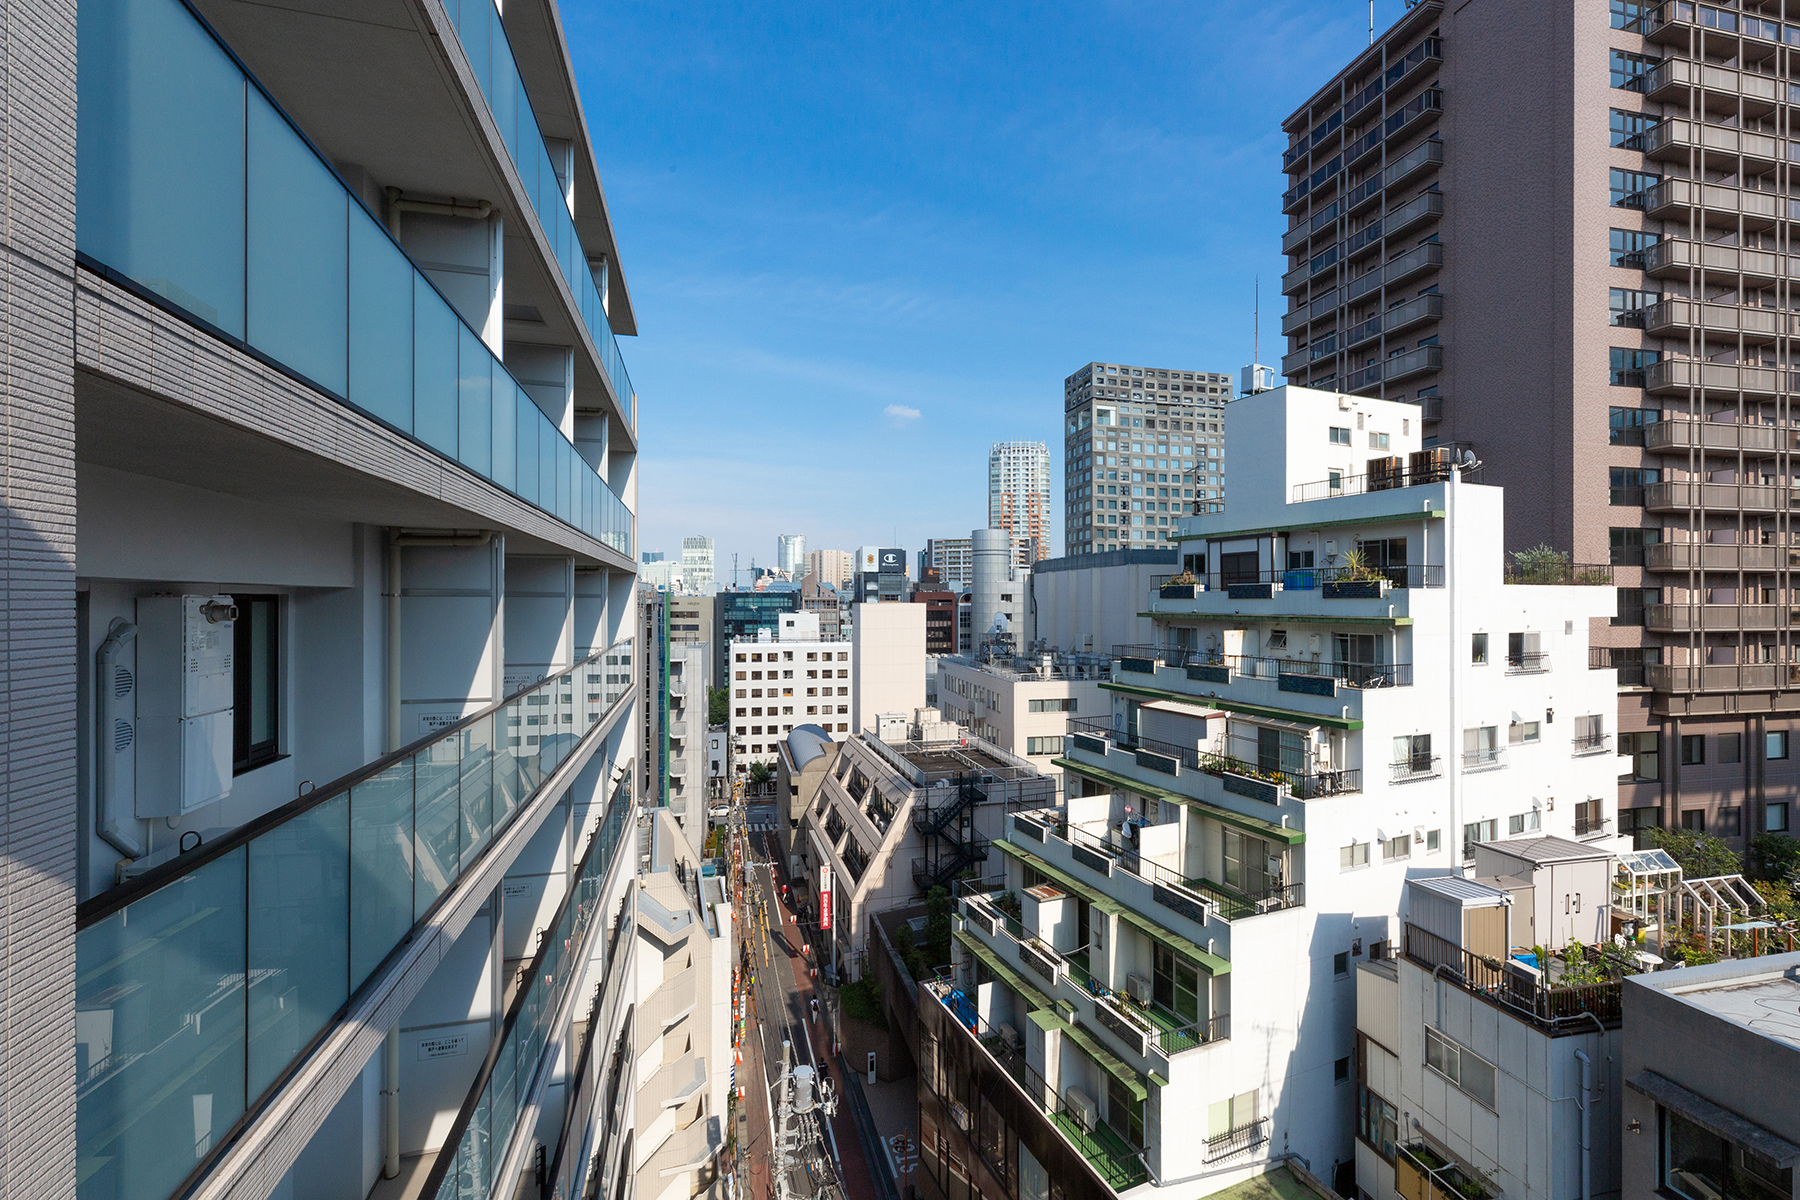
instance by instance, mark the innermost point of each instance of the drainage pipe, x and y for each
(397, 204)
(390, 1104)
(1586, 1104)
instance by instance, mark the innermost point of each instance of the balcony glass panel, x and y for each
(195, 189)
(160, 157)
(484, 40)
(159, 1029)
(296, 259)
(171, 1046)
(299, 935)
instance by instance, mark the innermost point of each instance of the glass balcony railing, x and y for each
(203, 983)
(484, 1127)
(483, 36)
(194, 189)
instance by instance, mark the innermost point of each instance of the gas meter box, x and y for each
(184, 702)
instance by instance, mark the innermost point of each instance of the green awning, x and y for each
(1272, 830)
(1236, 706)
(1109, 1062)
(1258, 618)
(1211, 963)
(1034, 998)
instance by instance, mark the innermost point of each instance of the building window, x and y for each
(1340, 963)
(1628, 187)
(1628, 365)
(1478, 654)
(1730, 747)
(1627, 128)
(1641, 749)
(1775, 818)
(1433, 839)
(1476, 832)
(1044, 745)
(1625, 426)
(256, 682)
(1626, 14)
(1521, 733)
(1340, 1070)
(1627, 246)
(1693, 749)
(1481, 746)
(1626, 545)
(1340, 436)
(1625, 485)
(1627, 306)
(1397, 847)
(1377, 1122)
(1463, 1067)
(1697, 1164)
(1731, 822)
(1058, 704)
(1355, 855)
(1631, 605)
(1775, 745)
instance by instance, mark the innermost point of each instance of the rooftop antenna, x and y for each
(1371, 22)
(1256, 321)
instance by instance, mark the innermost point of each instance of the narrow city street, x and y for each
(779, 1008)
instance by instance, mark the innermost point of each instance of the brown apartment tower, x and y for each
(1565, 230)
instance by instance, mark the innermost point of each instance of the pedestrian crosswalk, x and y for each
(762, 826)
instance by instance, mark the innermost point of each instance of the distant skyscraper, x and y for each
(697, 565)
(831, 566)
(1019, 492)
(790, 554)
(1142, 448)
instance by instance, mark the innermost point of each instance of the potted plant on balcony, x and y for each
(1356, 580)
(1180, 587)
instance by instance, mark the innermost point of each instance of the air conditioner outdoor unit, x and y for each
(1009, 1035)
(1139, 987)
(1082, 1106)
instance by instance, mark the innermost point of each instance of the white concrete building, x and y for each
(1296, 742)
(888, 657)
(1089, 603)
(788, 676)
(1023, 705)
(1463, 1072)
(891, 820)
(697, 565)
(954, 558)
(686, 947)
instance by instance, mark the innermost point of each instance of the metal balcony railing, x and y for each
(1557, 1009)
(1492, 756)
(1589, 743)
(274, 930)
(1251, 666)
(1356, 485)
(1417, 766)
(1237, 1141)
(1527, 662)
(1304, 785)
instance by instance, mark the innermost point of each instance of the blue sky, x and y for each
(866, 242)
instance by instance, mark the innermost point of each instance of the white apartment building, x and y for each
(1023, 705)
(1089, 603)
(1466, 1074)
(787, 676)
(1165, 985)
(1019, 493)
(1141, 446)
(697, 565)
(790, 555)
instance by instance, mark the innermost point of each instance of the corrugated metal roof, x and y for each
(1470, 893)
(1540, 850)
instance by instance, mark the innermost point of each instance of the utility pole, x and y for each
(799, 1141)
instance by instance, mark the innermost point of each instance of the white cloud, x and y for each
(900, 414)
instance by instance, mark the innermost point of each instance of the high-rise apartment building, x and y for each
(831, 566)
(790, 555)
(1141, 446)
(1019, 492)
(697, 565)
(1613, 348)
(321, 694)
